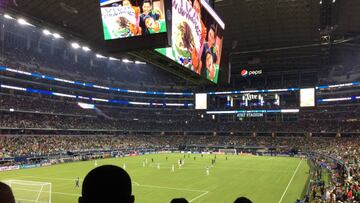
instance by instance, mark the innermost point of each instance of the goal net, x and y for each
(30, 191)
(227, 151)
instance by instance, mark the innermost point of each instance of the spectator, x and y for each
(6, 195)
(242, 200)
(107, 184)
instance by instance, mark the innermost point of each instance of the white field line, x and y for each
(52, 178)
(134, 183)
(37, 199)
(233, 168)
(61, 193)
(287, 187)
(28, 200)
(197, 197)
(171, 188)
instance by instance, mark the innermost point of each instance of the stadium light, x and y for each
(140, 62)
(46, 32)
(22, 21)
(75, 45)
(127, 61)
(100, 56)
(86, 106)
(114, 59)
(8, 16)
(57, 36)
(86, 49)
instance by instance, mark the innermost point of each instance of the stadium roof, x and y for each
(286, 34)
(265, 34)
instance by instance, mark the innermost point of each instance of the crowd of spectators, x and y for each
(43, 121)
(82, 67)
(50, 144)
(343, 185)
(341, 160)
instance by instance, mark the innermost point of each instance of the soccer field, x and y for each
(262, 179)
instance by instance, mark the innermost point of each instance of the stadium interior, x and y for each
(279, 122)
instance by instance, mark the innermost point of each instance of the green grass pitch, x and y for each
(262, 179)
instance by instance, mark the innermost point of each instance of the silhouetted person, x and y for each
(242, 200)
(6, 195)
(179, 200)
(107, 184)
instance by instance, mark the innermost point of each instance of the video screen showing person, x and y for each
(197, 38)
(129, 18)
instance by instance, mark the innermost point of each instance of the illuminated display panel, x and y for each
(130, 18)
(201, 101)
(307, 97)
(197, 38)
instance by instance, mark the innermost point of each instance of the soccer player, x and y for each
(180, 163)
(95, 163)
(77, 182)
(194, 158)
(158, 166)
(152, 160)
(207, 171)
(173, 168)
(124, 166)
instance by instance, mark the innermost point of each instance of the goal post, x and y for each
(227, 151)
(30, 191)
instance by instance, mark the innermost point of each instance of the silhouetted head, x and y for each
(6, 195)
(179, 200)
(107, 184)
(242, 200)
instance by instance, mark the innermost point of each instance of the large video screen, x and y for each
(197, 38)
(130, 18)
(307, 97)
(201, 101)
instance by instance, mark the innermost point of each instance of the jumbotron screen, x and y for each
(197, 38)
(129, 18)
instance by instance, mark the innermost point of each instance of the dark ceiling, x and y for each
(287, 34)
(79, 18)
(267, 34)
